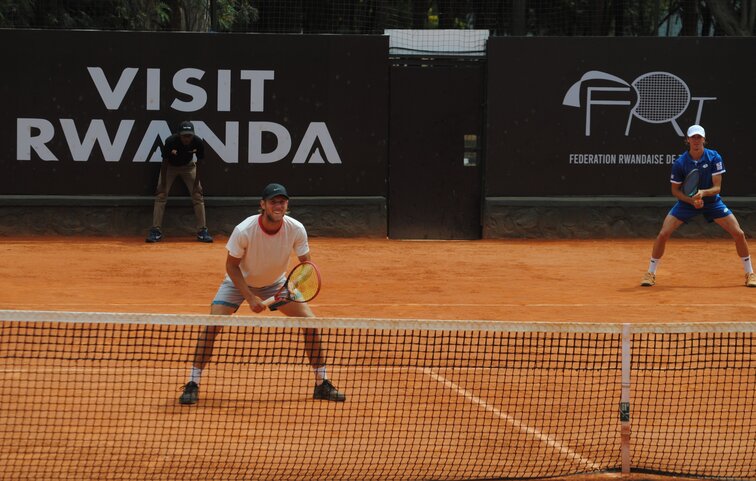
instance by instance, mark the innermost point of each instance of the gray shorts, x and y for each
(229, 295)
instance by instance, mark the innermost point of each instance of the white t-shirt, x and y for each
(265, 257)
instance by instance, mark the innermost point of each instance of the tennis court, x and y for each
(582, 281)
(422, 403)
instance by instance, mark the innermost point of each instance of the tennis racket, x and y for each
(690, 184)
(302, 285)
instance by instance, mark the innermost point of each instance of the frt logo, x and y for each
(661, 97)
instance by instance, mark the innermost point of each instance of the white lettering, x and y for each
(26, 141)
(182, 85)
(81, 150)
(316, 131)
(590, 101)
(112, 98)
(224, 90)
(257, 80)
(153, 89)
(228, 151)
(256, 155)
(157, 128)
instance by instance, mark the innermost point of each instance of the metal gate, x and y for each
(435, 153)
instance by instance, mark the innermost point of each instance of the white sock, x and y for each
(320, 374)
(195, 375)
(653, 265)
(747, 264)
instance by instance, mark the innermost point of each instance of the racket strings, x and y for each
(304, 282)
(690, 184)
(661, 97)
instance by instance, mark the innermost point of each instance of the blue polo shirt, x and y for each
(709, 165)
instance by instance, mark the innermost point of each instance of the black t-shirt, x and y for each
(184, 153)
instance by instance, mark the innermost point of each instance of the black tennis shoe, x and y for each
(154, 235)
(190, 394)
(328, 392)
(204, 236)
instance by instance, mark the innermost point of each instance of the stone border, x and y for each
(120, 215)
(503, 217)
(598, 217)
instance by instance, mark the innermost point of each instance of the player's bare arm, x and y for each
(235, 273)
(679, 195)
(305, 258)
(713, 190)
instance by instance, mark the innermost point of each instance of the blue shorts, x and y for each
(229, 295)
(710, 211)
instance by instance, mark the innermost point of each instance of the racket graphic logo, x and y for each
(660, 97)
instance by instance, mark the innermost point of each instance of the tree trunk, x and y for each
(176, 14)
(689, 18)
(196, 15)
(655, 18)
(727, 19)
(705, 20)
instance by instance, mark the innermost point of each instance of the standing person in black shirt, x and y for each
(178, 161)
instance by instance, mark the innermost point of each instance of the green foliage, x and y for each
(162, 13)
(236, 15)
(16, 13)
(501, 17)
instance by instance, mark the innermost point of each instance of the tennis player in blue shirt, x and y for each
(707, 202)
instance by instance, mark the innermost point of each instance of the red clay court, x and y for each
(565, 280)
(422, 404)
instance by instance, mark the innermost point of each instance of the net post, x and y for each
(625, 400)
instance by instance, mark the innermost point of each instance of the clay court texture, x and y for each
(566, 280)
(110, 411)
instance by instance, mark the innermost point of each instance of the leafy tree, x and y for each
(501, 17)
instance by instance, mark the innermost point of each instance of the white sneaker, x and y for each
(649, 279)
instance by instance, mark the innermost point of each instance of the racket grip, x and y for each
(267, 302)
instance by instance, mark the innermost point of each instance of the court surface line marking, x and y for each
(429, 304)
(544, 438)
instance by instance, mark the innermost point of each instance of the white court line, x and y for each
(546, 439)
(480, 304)
(748, 305)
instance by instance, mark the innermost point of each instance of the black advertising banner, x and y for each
(607, 116)
(86, 112)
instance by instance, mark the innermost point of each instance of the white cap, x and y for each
(696, 130)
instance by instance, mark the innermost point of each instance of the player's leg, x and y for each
(227, 301)
(204, 350)
(189, 176)
(732, 226)
(315, 353)
(165, 181)
(669, 226)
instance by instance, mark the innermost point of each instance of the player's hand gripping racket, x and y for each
(690, 184)
(302, 285)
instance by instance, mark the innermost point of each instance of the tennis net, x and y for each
(94, 396)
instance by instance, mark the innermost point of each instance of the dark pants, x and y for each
(188, 174)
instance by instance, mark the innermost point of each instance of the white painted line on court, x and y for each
(480, 304)
(544, 438)
(748, 305)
